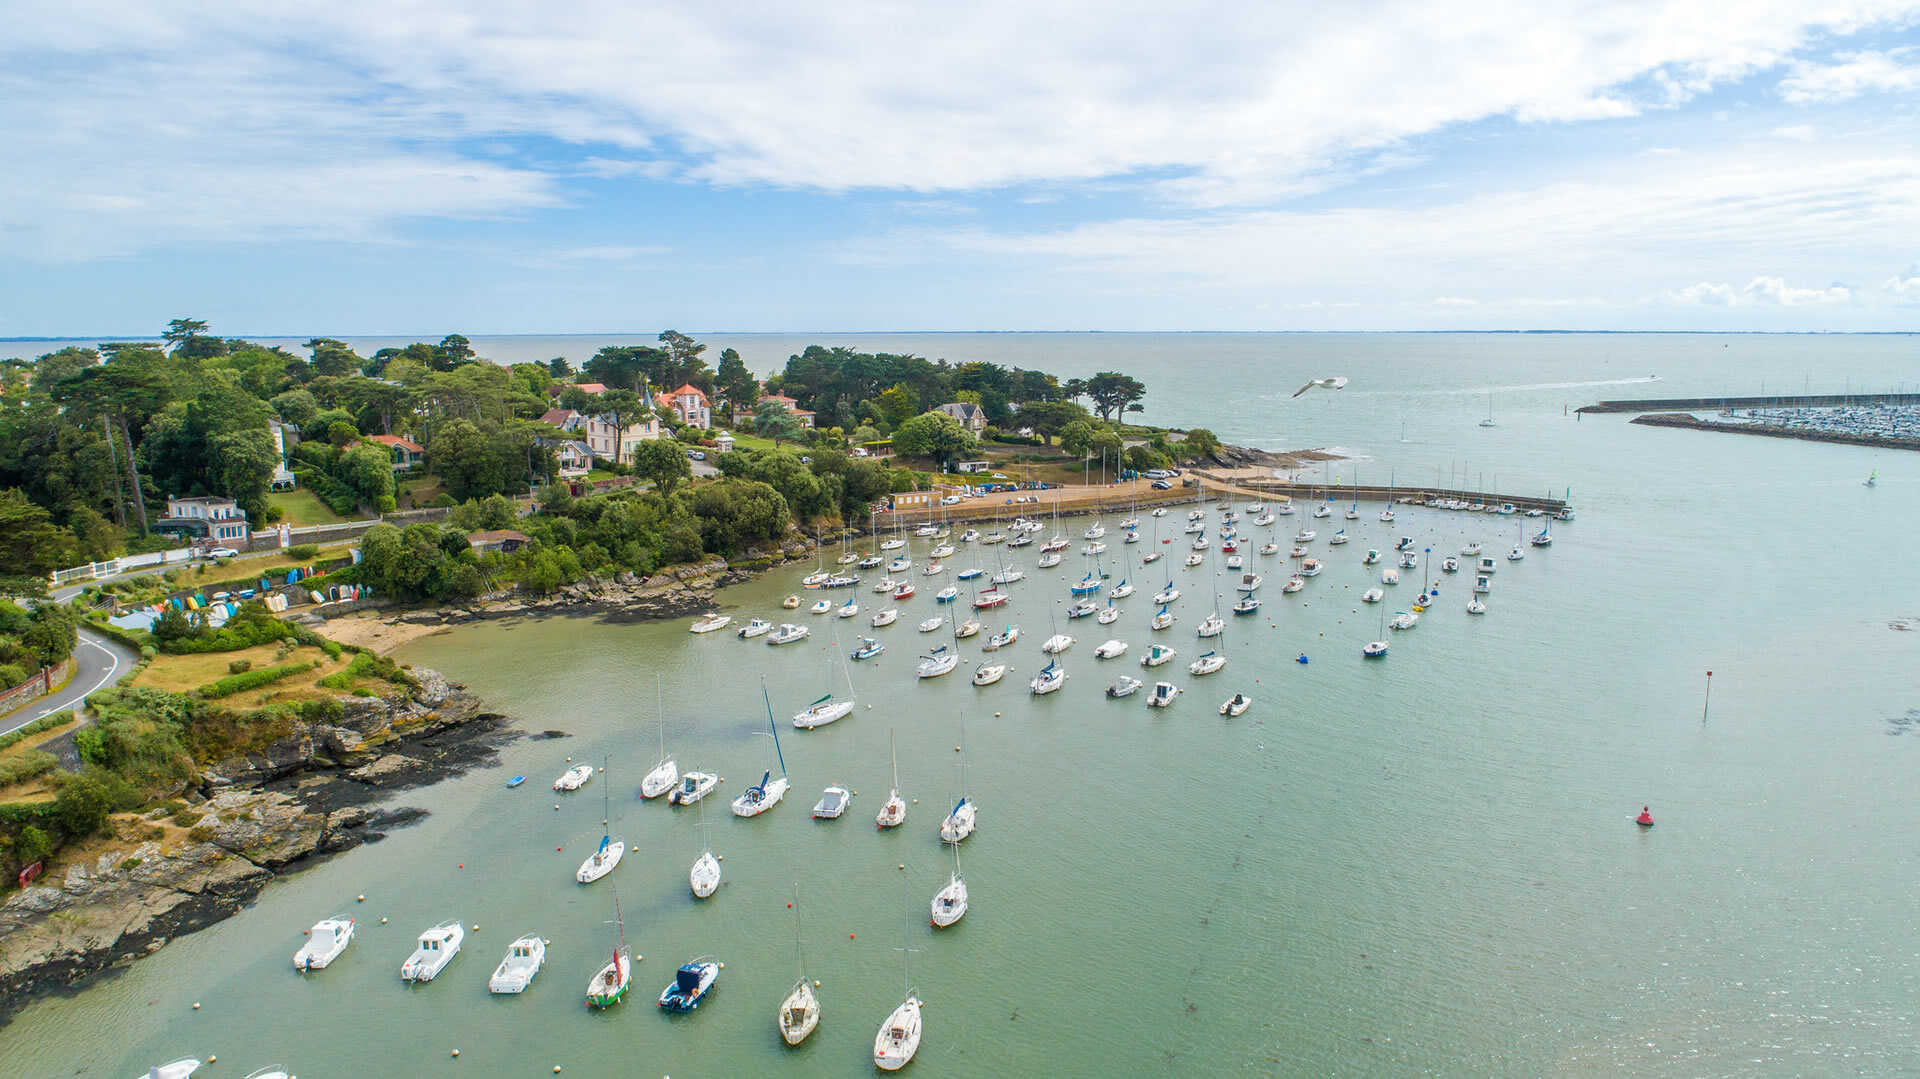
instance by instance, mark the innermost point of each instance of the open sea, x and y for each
(1421, 865)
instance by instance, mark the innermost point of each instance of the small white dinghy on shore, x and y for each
(524, 959)
(325, 941)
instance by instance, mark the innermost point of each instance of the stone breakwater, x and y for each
(257, 817)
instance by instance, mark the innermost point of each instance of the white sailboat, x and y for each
(661, 778)
(608, 985)
(704, 877)
(827, 709)
(894, 813)
(965, 817)
(988, 673)
(800, 1012)
(766, 794)
(603, 860)
(899, 1036)
(950, 903)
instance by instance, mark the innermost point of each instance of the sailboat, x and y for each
(965, 816)
(1873, 478)
(666, 773)
(827, 709)
(894, 812)
(950, 903)
(800, 1012)
(609, 985)
(602, 861)
(1377, 649)
(763, 796)
(899, 1036)
(1488, 422)
(704, 877)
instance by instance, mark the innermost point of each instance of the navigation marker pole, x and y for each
(1708, 700)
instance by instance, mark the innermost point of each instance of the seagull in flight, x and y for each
(1337, 382)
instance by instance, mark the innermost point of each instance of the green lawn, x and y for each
(299, 507)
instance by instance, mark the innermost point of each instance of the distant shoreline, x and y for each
(418, 334)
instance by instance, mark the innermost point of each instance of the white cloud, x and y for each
(1796, 132)
(1455, 301)
(610, 253)
(1234, 104)
(1855, 74)
(1765, 291)
(1903, 288)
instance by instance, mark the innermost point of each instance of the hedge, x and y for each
(25, 766)
(366, 665)
(237, 683)
(47, 723)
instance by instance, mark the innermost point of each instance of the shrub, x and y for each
(240, 666)
(201, 834)
(149, 652)
(29, 765)
(45, 723)
(237, 683)
(365, 665)
(82, 805)
(302, 551)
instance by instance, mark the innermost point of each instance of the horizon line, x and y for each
(951, 333)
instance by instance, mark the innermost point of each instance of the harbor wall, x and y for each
(1799, 400)
(1695, 423)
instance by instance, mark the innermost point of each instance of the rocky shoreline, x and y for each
(255, 818)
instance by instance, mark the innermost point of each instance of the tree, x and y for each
(82, 805)
(772, 420)
(1114, 393)
(936, 435)
(31, 545)
(1201, 442)
(181, 332)
(1073, 389)
(452, 351)
(558, 367)
(682, 361)
(1077, 438)
(51, 634)
(1051, 417)
(663, 462)
(735, 382)
(898, 404)
(865, 433)
(368, 469)
(626, 366)
(622, 407)
(240, 464)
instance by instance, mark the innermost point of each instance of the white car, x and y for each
(222, 552)
(951, 500)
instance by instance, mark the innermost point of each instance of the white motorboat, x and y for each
(574, 778)
(709, 623)
(1162, 695)
(1234, 561)
(1057, 644)
(1250, 582)
(1294, 584)
(1450, 565)
(868, 649)
(960, 823)
(820, 607)
(1389, 576)
(1482, 585)
(1124, 686)
(1094, 548)
(1338, 538)
(1207, 663)
(1374, 649)
(950, 903)
(1211, 626)
(1237, 705)
(522, 964)
(1050, 678)
(1111, 649)
(822, 712)
(788, 633)
(1002, 639)
(970, 535)
(1474, 606)
(928, 625)
(988, 673)
(791, 603)
(602, 860)
(899, 1037)
(1404, 620)
(1166, 595)
(942, 660)
(1373, 595)
(757, 628)
(325, 941)
(436, 948)
(693, 787)
(885, 618)
(1310, 567)
(1409, 560)
(1516, 554)
(1405, 544)
(1372, 556)
(1156, 655)
(179, 1069)
(1161, 619)
(833, 802)
(762, 796)
(1471, 550)
(1108, 615)
(1487, 564)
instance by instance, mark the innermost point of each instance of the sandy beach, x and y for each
(371, 630)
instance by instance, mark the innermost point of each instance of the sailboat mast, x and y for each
(772, 726)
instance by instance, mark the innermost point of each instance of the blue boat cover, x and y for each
(688, 979)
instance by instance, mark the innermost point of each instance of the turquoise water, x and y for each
(1425, 864)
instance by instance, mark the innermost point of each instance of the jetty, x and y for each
(1790, 400)
(1304, 493)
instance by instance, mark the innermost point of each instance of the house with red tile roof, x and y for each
(404, 453)
(691, 406)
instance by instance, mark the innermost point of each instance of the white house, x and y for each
(574, 458)
(285, 437)
(805, 416)
(598, 432)
(204, 517)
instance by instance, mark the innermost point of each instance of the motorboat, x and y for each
(178, 1069)
(709, 623)
(868, 649)
(515, 782)
(1482, 585)
(1162, 695)
(1162, 619)
(1389, 576)
(1166, 595)
(820, 607)
(1474, 606)
(602, 861)
(1250, 582)
(1211, 626)
(1404, 620)
(1310, 567)
(1108, 615)
(1487, 564)
(1409, 560)
(325, 941)
(1156, 655)
(905, 591)
(1405, 544)
(1050, 678)
(1234, 561)
(436, 948)
(1374, 650)
(1195, 559)
(1237, 705)
(942, 660)
(1057, 644)
(822, 712)
(899, 1036)
(1247, 604)
(1110, 649)
(1294, 584)
(1372, 556)
(693, 787)
(704, 877)
(762, 796)
(1124, 686)
(1082, 609)
(759, 627)
(1002, 639)
(788, 633)
(848, 609)
(521, 965)
(1373, 595)
(691, 984)
(574, 778)
(988, 673)
(928, 625)
(1471, 550)
(1207, 663)
(968, 574)
(833, 802)
(970, 535)
(946, 595)
(1094, 548)
(960, 823)
(885, 617)
(1516, 554)
(969, 628)
(1450, 564)
(1124, 590)
(950, 903)
(1338, 538)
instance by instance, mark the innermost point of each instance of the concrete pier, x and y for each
(1791, 400)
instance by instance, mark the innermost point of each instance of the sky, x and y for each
(425, 166)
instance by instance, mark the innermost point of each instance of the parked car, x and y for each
(1162, 485)
(696, 455)
(951, 500)
(222, 552)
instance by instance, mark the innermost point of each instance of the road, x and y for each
(97, 662)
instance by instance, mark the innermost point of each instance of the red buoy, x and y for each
(1645, 819)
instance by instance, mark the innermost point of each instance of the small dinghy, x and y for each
(792, 602)
(1372, 595)
(1002, 639)
(711, 622)
(436, 948)
(1111, 650)
(820, 607)
(886, 617)
(515, 782)
(1124, 686)
(574, 778)
(693, 787)
(325, 941)
(966, 629)
(1162, 695)
(759, 627)
(833, 802)
(1236, 706)
(928, 625)
(1208, 663)
(523, 961)
(988, 673)
(1050, 678)
(942, 660)
(1157, 655)
(691, 984)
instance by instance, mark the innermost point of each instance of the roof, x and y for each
(497, 535)
(559, 417)
(580, 448)
(397, 441)
(960, 409)
(208, 500)
(689, 389)
(592, 387)
(781, 398)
